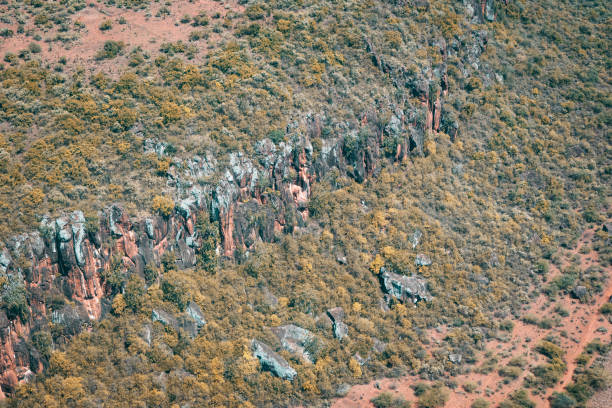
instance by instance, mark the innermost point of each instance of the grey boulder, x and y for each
(271, 361)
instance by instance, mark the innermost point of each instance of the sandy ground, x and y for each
(139, 31)
(580, 328)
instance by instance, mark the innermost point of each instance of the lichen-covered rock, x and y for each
(378, 346)
(71, 318)
(295, 340)
(480, 10)
(455, 358)
(195, 312)
(580, 292)
(5, 260)
(340, 328)
(404, 288)
(271, 361)
(416, 238)
(187, 323)
(165, 318)
(422, 260)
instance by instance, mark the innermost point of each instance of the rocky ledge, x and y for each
(57, 274)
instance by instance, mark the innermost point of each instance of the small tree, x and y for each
(175, 291)
(14, 298)
(134, 293)
(163, 205)
(207, 253)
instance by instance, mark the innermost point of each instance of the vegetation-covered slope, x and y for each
(517, 166)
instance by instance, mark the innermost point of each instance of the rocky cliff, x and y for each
(60, 274)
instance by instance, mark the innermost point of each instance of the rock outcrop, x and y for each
(579, 292)
(405, 288)
(271, 361)
(63, 267)
(295, 340)
(481, 10)
(422, 260)
(190, 322)
(337, 316)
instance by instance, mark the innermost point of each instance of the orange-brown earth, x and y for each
(141, 29)
(576, 330)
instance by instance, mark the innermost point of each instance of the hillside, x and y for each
(263, 203)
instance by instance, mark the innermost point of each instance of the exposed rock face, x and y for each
(455, 358)
(580, 292)
(188, 323)
(295, 340)
(337, 316)
(18, 361)
(422, 260)
(65, 261)
(251, 198)
(195, 312)
(482, 10)
(378, 346)
(404, 288)
(271, 361)
(416, 238)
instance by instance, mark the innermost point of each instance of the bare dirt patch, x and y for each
(576, 330)
(141, 28)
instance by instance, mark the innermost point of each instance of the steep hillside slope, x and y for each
(258, 204)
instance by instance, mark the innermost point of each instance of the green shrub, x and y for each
(34, 48)
(106, 25)
(434, 397)
(562, 400)
(6, 33)
(200, 20)
(549, 349)
(150, 273)
(587, 383)
(510, 372)
(519, 399)
(162, 205)
(110, 50)
(480, 403)
(470, 387)
(133, 294)
(387, 400)
(175, 291)
(14, 298)
(606, 308)
(207, 252)
(43, 342)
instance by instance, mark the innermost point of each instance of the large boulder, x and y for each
(422, 260)
(295, 340)
(187, 322)
(580, 292)
(271, 361)
(404, 288)
(195, 312)
(71, 318)
(336, 315)
(416, 238)
(165, 318)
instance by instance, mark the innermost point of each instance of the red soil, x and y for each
(139, 31)
(580, 328)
